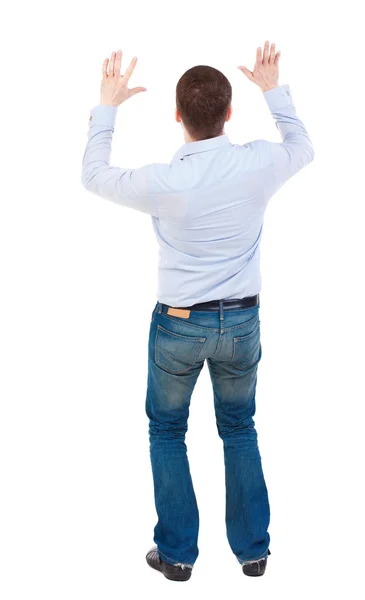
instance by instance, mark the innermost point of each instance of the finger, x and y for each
(247, 72)
(136, 90)
(266, 53)
(105, 67)
(130, 69)
(272, 54)
(112, 64)
(259, 55)
(278, 54)
(118, 62)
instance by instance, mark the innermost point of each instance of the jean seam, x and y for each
(189, 338)
(204, 327)
(186, 322)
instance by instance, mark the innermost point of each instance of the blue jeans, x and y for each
(230, 342)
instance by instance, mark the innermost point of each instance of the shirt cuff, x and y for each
(104, 115)
(279, 97)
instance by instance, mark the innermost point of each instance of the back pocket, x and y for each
(247, 349)
(176, 353)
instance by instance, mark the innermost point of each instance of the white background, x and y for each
(79, 279)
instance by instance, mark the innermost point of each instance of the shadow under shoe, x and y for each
(256, 568)
(172, 572)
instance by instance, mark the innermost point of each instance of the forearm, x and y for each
(295, 138)
(98, 149)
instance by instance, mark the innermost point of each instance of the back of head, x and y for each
(203, 97)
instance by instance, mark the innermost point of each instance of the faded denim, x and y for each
(229, 340)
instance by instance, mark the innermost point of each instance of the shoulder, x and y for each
(259, 152)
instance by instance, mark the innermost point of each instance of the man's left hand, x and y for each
(114, 86)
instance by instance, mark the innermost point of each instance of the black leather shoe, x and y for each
(255, 569)
(173, 572)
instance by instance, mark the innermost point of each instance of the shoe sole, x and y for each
(175, 578)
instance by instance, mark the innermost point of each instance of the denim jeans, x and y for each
(229, 340)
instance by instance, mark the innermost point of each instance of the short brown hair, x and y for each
(203, 97)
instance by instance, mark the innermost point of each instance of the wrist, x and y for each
(106, 103)
(267, 88)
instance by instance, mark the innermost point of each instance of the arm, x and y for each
(128, 187)
(296, 149)
(141, 189)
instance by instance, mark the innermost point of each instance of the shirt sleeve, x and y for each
(296, 149)
(135, 188)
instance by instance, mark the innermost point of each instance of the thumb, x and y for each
(246, 71)
(136, 90)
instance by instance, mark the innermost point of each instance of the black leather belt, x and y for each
(227, 304)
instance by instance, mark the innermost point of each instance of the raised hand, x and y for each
(266, 70)
(114, 86)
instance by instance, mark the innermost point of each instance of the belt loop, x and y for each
(159, 307)
(221, 316)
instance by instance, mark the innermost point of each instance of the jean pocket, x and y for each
(247, 349)
(176, 353)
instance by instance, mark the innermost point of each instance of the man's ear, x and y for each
(229, 113)
(177, 116)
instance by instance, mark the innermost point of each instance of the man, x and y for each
(207, 209)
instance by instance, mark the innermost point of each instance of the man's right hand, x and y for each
(266, 70)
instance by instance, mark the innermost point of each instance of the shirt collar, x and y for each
(201, 146)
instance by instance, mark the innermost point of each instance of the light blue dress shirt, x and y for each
(207, 205)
